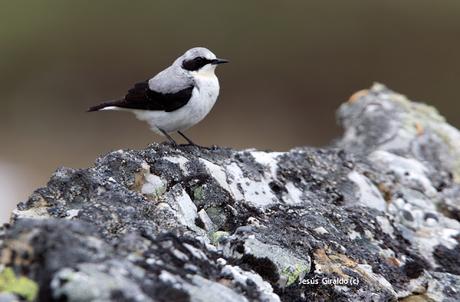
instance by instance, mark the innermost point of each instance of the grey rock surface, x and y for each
(375, 217)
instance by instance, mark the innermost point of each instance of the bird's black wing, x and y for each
(142, 97)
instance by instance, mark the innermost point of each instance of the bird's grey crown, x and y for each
(195, 53)
(175, 78)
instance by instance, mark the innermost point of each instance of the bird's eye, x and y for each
(195, 64)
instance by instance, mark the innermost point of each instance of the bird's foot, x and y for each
(170, 139)
(211, 148)
(172, 144)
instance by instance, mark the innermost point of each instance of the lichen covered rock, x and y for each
(373, 218)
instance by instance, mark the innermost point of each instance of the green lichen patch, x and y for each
(22, 286)
(215, 237)
(198, 193)
(294, 274)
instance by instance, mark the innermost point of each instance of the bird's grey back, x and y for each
(171, 80)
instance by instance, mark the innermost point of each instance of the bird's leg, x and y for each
(170, 139)
(187, 139)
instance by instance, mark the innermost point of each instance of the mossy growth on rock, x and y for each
(20, 286)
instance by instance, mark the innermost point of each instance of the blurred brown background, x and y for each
(292, 64)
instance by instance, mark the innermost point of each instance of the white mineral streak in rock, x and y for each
(353, 235)
(168, 278)
(187, 209)
(231, 178)
(218, 173)
(208, 225)
(321, 230)
(180, 160)
(385, 225)
(182, 207)
(240, 276)
(179, 255)
(293, 195)
(257, 193)
(72, 213)
(235, 174)
(268, 160)
(153, 185)
(369, 195)
(196, 252)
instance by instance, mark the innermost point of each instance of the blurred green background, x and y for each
(292, 64)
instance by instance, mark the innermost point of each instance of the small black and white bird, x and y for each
(176, 98)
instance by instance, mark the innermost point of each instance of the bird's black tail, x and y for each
(102, 106)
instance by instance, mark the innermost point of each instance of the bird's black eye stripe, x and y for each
(195, 64)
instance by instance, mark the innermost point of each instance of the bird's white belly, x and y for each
(199, 105)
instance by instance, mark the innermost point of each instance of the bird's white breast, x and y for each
(204, 96)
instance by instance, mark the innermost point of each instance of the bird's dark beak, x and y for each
(219, 61)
